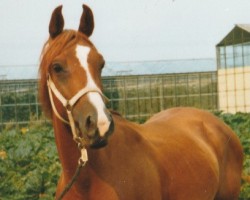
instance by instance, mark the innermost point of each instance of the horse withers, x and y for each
(180, 153)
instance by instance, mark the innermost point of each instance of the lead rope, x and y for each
(81, 163)
(82, 160)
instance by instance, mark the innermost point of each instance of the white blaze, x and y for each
(95, 98)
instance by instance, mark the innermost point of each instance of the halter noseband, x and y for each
(68, 104)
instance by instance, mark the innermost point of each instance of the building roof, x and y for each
(239, 34)
(245, 27)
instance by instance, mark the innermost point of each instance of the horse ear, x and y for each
(56, 22)
(87, 21)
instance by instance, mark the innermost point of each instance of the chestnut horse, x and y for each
(180, 153)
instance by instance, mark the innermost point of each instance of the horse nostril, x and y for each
(90, 123)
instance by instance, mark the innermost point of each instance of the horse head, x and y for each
(71, 87)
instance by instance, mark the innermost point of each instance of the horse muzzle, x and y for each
(95, 130)
(99, 142)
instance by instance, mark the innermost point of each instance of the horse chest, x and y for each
(121, 188)
(134, 179)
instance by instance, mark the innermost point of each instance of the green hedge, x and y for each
(29, 165)
(240, 123)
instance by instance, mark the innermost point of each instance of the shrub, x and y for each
(29, 165)
(240, 123)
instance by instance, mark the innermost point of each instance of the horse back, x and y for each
(198, 152)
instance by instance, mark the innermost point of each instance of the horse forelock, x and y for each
(51, 49)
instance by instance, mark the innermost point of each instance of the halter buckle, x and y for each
(84, 157)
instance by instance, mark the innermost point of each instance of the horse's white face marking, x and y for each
(95, 98)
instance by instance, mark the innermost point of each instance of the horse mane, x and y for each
(50, 50)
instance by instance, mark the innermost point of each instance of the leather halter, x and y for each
(69, 104)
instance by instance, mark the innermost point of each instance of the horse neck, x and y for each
(67, 148)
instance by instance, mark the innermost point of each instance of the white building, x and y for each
(233, 63)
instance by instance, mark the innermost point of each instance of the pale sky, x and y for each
(134, 30)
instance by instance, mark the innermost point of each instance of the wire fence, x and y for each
(135, 97)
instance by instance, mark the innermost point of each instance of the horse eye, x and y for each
(57, 68)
